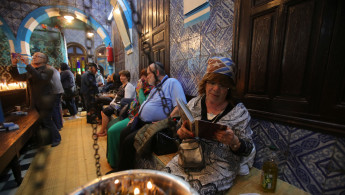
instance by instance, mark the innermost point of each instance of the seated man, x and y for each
(158, 106)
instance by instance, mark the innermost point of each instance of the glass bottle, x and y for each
(269, 172)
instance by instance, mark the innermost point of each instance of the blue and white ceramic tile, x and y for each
(15, 5)
(44, 2)
(174, 69)
(208, 45)
(194, 47)
(184, 49)
(335, 180)
(173, 50)
(196, 29)
(338, 160)
(28, 7)
(224, 40)
(79, 3)
(309, 159)
(267, 134)
(210, 24)
(184, 33)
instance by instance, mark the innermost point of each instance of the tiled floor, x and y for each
(70, 164)
(8, 185)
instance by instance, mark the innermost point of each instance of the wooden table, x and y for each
(11, 142)
(246, 184)
(251, 184)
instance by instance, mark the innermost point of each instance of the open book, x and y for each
(200, 128)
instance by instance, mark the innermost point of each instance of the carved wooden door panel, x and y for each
(119, 50)
(154, 38)
(283, 54)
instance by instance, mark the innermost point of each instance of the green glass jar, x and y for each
(269, 174)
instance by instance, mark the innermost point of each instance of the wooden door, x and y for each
(285, 62)
(154, 38)
(119, 50)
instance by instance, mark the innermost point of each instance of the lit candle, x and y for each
(136, 191)
(149, 188)
(117, 185)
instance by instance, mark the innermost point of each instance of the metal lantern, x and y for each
(137, 181)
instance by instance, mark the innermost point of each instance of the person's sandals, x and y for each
(101, 134)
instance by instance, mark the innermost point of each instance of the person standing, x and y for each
(99, 81)
(57, 91)
(68, 84)
(38, 77)
(89, 89)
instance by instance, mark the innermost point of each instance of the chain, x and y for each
(146, 48)
(95, 144)
(92, 116)
(147, 51)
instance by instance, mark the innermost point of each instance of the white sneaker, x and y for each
(74, 117)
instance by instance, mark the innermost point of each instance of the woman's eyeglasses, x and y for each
(213, 84)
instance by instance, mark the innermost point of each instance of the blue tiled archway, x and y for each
(40, 14)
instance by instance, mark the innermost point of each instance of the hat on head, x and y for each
(221, 65)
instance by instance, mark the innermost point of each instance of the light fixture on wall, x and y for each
(68, 16)
(90, 34)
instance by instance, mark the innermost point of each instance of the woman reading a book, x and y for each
(227, 152)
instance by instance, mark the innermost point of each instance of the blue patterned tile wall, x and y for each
(5, 58)
(48, 42)
(312, 161)
(191, 47)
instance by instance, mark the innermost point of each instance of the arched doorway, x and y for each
(101, 60)
(77, 57)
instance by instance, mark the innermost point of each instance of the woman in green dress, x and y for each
(143, 89)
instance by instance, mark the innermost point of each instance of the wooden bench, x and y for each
(13, 141)
(244, 183)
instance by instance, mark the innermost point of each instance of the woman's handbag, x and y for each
(191, 155)
(164, 142)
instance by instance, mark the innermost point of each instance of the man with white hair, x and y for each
(38, 77)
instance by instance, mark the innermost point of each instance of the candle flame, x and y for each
(4, 86)
(149, 185)
(136, 191)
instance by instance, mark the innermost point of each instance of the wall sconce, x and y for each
(68, 16)
(90, 34)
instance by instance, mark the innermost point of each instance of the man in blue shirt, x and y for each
(158, 106)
